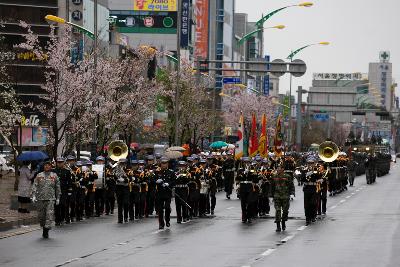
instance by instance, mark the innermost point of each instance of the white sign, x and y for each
(33, 121)
(338, 76)
(99, 169)
(384, 56)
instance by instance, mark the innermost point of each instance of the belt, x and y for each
(181, 185)
(246, 182)
(230, 170)
(310, 183)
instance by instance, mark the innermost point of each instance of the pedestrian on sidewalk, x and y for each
(46, 192)
(25, 180)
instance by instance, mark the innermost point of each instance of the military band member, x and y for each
(80, 192)
(134, 188)
(204, 186)
(265, 174)
(71, 167)
(110, 186)
(282, 188)
(62, 212)
(165, 178)
(46, 192)
(245, 189)
(193, 185)
(122, 190)
(228, 169)
(151, 180)
(181, 192)
(90, 176)
(143, 188)
(351, 170)
(99, 194)
(310, 193)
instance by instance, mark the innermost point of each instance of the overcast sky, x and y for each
(357, 30)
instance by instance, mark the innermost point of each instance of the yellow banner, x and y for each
(154, 5)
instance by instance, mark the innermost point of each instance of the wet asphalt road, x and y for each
(361, 228)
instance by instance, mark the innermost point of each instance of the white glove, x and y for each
(291, 197)
(165, 184)
(57, 202)
(121, 180)
(33, 199)
(159, 181)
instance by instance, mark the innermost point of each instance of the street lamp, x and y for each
(291, 56)
(63, 21)
(247, 36)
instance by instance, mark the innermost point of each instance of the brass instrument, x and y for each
(117, 150)
(328, 151)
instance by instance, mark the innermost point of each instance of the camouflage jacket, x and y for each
(46, 186)
(282, 186)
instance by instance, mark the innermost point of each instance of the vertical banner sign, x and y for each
(201, 14)
(185, 23)
(266, 86)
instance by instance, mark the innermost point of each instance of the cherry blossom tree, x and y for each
(194, 109)
(67, 87)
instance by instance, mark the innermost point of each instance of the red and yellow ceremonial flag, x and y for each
(239, 143)
(263, 143)
(278, 140)
(253, 140)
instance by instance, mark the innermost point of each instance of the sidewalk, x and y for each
(11, 219)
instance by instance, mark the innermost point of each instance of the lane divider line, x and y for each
(268, 252)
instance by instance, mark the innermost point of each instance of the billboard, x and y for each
(154, 5)
(201, 37)
(32, 136)
(338, 76)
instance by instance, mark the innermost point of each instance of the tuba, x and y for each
(328, 151)
(117, 150)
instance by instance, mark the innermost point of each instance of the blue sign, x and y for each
(231, 80)
(185, 23)
(321, 116)
(266, 84)
(76, 15)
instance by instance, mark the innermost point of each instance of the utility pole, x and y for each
(299, 118)
(178, 69)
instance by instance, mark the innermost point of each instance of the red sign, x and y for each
(148, 22)
(201, 14)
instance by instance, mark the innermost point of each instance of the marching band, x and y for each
(142, 187)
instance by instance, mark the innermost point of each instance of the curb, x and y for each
(8, 225)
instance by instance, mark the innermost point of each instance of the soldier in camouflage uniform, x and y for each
(46, 192)
(282, 188)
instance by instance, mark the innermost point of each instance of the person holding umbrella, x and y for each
(46, 192)
(24, 186)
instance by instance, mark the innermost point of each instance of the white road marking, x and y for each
(333, 207)
(230, 208)
(342, 201)
(301, 228)
(353, 193)
(357, 190)
(286, 239)
(348, 197)
(268, 252)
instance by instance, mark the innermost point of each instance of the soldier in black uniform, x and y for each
(80, 192)
(228, 169)
(151, 189)
(110, 185)
(182, 178)
(134, 188)
(122, 190)
(71, 167)
(99, 194)
(204, 187)
(143, 188)
(265, 175)
(245, 189)
(310, 191)
(165, 178)
(194, 193)
(66, 185)
(90, 176)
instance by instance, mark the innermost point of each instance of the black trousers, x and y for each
(61, 211)
(142, 204)
(203, 204)
(89, 203)
(123, 202)
(263, 204)
(80, 203)
(213, 200)
(109, 200)
(163, 207)
(193, 201)
(150, 201)
(322, 202)
(180, 198)
(244, 204)
(134, 205)
(310, 207)
(99, 201)
(228, 182)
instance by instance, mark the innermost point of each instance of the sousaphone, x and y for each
(328, 151)
(117, 150)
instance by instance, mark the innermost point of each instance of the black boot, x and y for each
(45, 232)
(283, 225)
(278, 226)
